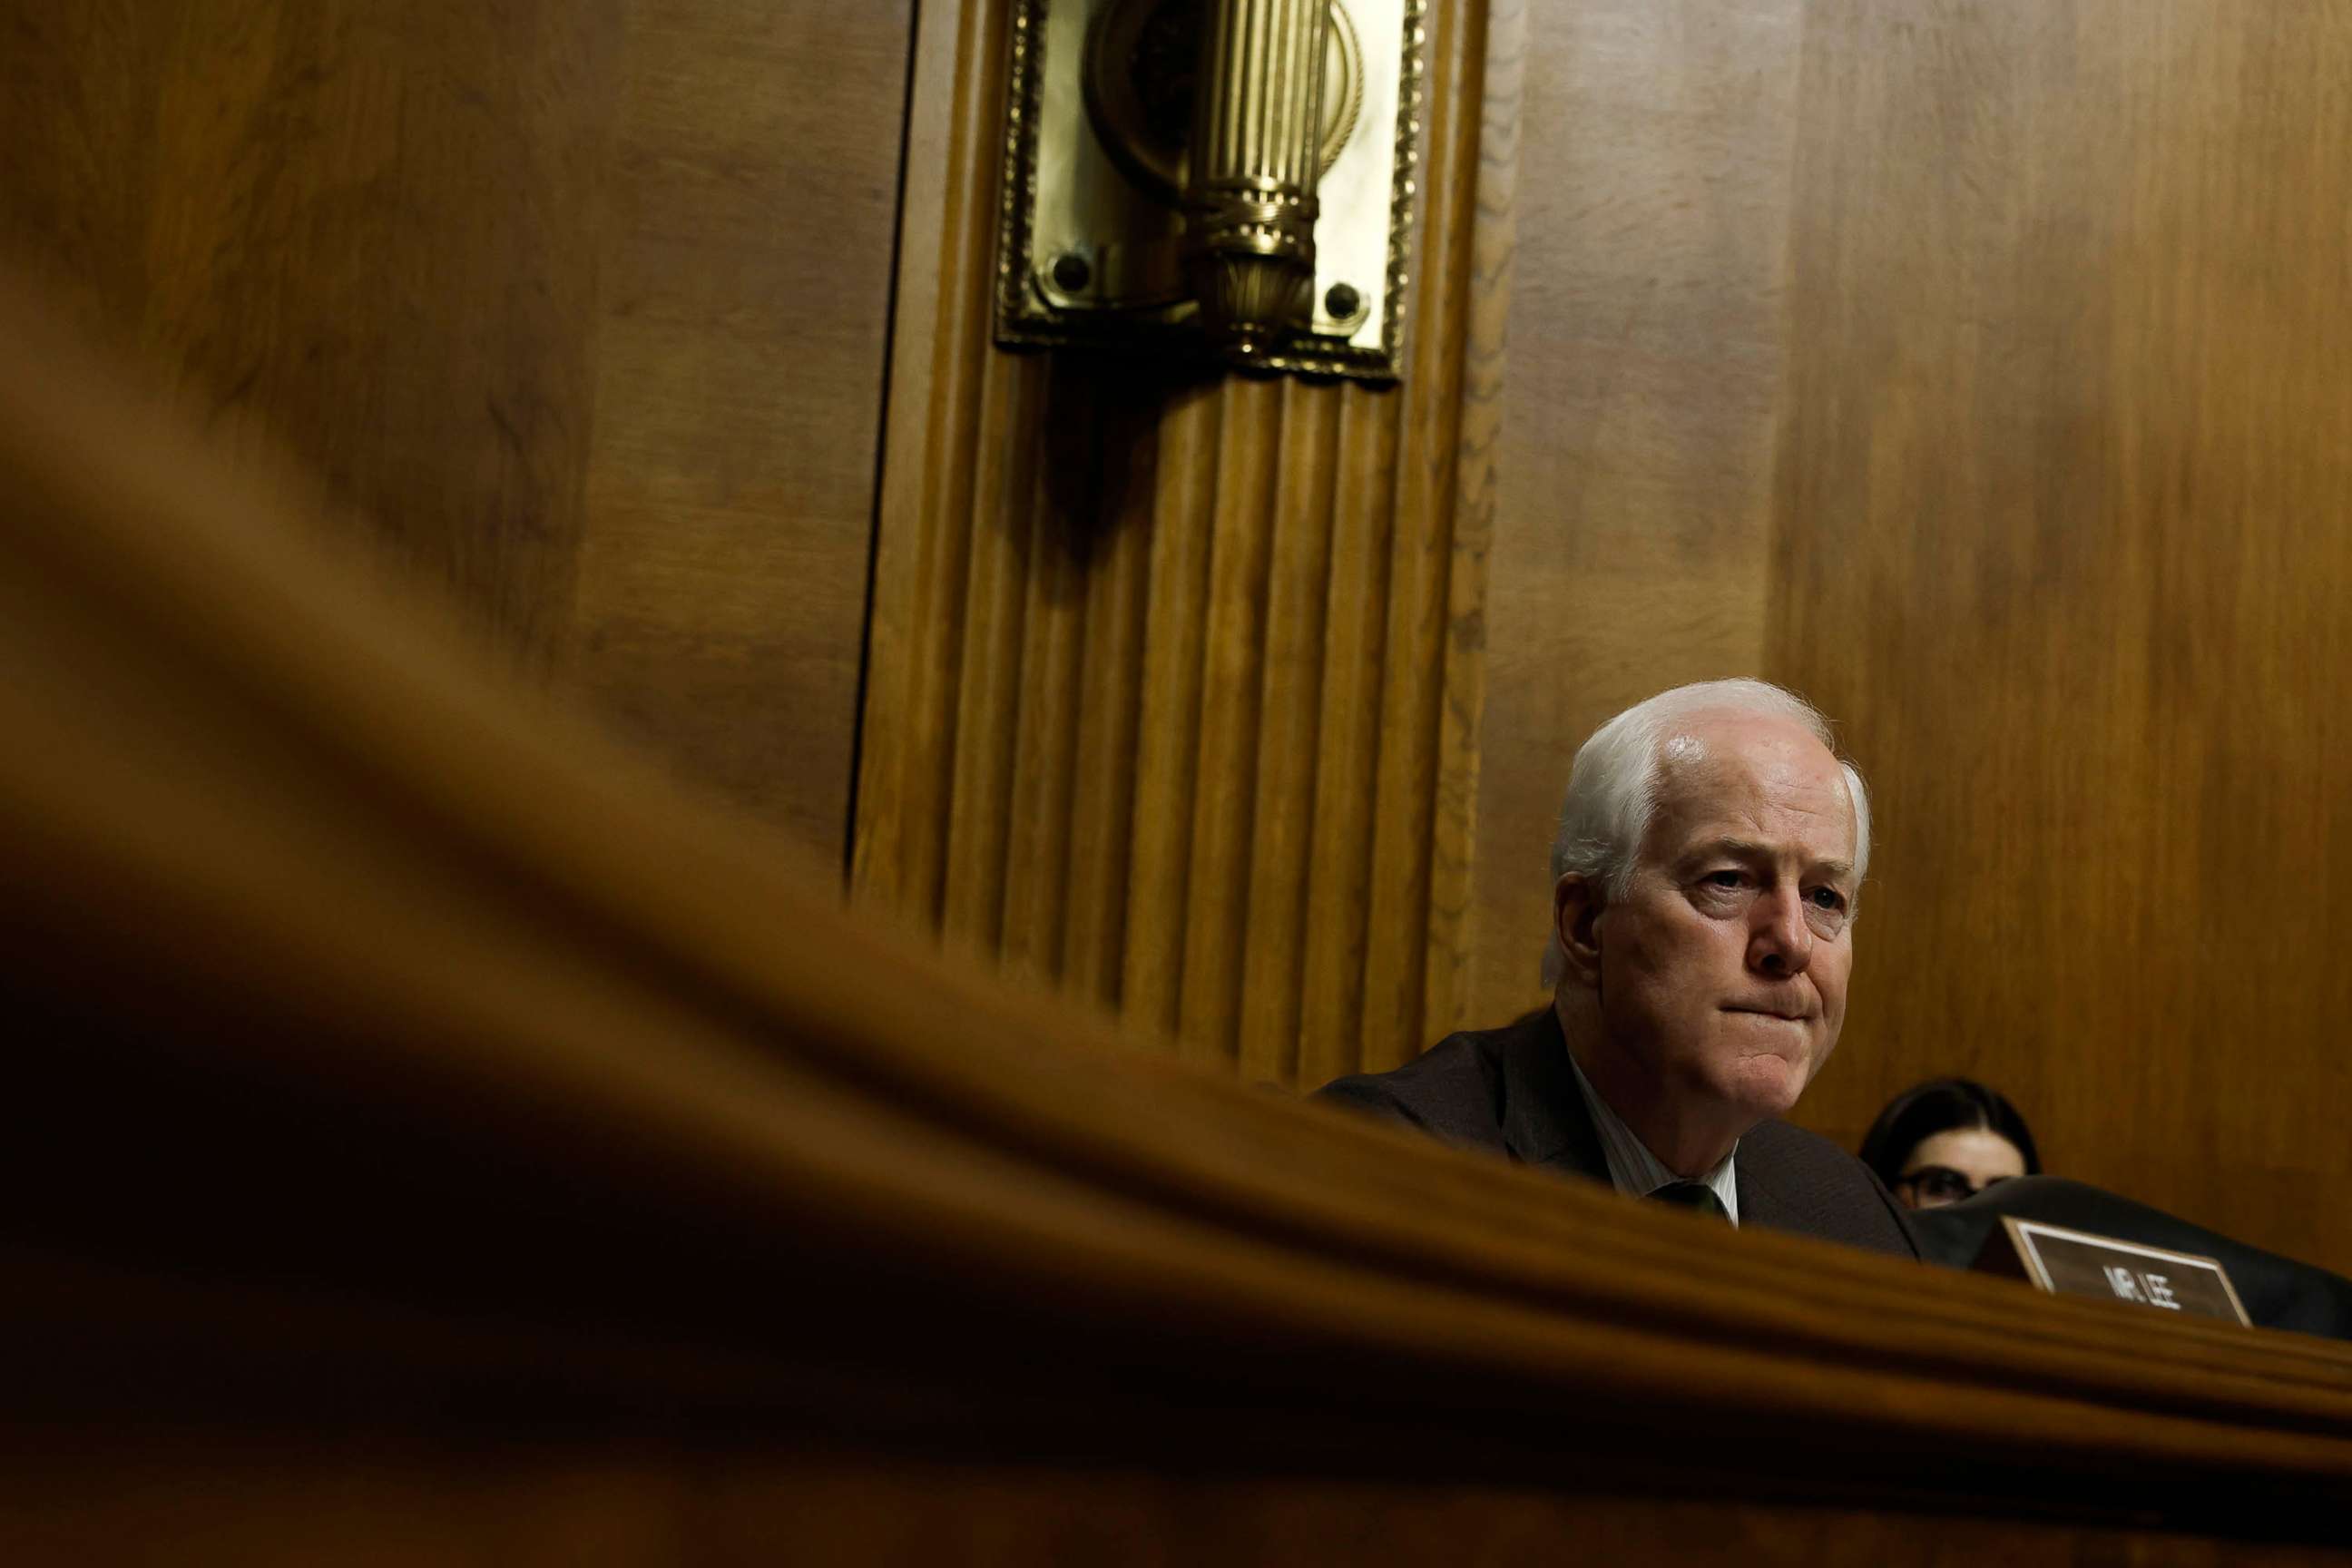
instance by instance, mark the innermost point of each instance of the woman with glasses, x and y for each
(1947, 1138)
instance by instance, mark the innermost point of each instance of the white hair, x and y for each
(1612, 788)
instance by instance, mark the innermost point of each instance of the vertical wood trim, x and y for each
(1423, 545)
(1346, 768)
(932, 430)
(988, 684)
(1183, 514)
(1044, 751)
(1290, 678)
(1453, 823)
(1224, 795)
(1104, 790)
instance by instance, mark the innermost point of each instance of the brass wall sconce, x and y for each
(1233, 177)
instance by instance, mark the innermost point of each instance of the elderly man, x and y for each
(1710, 851)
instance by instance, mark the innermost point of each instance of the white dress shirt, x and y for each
(1632, 1167)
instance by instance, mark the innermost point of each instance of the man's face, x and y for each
(1723, 970)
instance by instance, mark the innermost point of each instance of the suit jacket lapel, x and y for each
(1758, 1203)
(1774, 1192)
(1545, 1121)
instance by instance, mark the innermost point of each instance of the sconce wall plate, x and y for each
(1092, 244)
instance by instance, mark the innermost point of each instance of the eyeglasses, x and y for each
(1934, 1185)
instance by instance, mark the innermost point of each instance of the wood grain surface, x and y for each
(579, 308)
(1976, 370)
(2066, 476)
(455, 1139)
(364, 229)
(750, 212)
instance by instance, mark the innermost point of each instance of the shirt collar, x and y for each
(1632, 1169)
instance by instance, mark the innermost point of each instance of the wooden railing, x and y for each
(433, 1134)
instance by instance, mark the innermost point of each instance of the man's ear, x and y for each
(1576, 909)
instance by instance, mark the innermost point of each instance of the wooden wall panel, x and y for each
(358, 228)
(2066, 477)
(1976, 370)
(1211, 790)
(739, 348)
(581, 305)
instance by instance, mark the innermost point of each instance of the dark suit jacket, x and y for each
(1511, 1092)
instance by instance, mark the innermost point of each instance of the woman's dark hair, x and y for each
(1940, 1105)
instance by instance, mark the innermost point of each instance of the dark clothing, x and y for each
(1512, 1091)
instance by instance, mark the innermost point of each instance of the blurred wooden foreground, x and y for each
(434, 1137)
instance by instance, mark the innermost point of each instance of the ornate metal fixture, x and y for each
(1224, 177)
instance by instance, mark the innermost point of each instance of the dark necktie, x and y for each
(1692, 1196)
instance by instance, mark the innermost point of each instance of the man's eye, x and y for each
(1827, 899)
(1733, 879)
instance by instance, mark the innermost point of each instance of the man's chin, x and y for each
(1765, 1083)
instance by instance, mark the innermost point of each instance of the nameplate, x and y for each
(2076, 1263)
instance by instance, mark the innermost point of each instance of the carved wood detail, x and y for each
(1173, 683)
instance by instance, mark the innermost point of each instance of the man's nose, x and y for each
(1781, 943)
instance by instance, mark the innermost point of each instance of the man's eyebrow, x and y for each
(1748, 849)
(1737, 849)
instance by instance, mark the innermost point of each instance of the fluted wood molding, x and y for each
(422, 1062)
(1173, 684)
